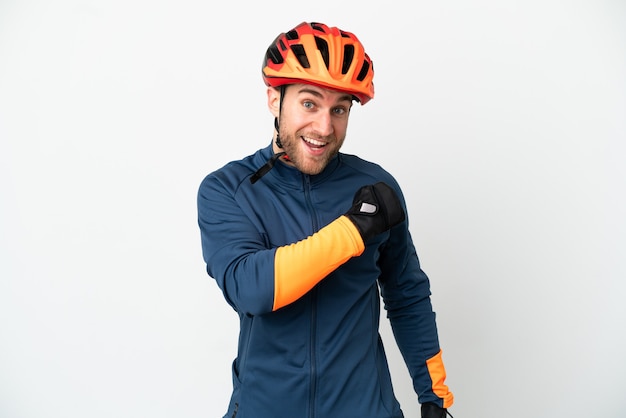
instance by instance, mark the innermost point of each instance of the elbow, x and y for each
(248, 299)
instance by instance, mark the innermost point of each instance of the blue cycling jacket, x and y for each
(319, 354)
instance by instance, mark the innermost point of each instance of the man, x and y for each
(300, 238)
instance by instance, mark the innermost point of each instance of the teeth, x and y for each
(314, 142)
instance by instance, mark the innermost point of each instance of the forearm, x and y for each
(406, 292)
(299, 267)
(423, 356)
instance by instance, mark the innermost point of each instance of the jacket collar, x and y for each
(291, 176)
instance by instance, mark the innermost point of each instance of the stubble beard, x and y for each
(305, 163)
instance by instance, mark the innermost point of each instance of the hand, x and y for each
(375, 209)
(430, 410)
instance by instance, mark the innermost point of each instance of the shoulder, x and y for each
(232, 174)
(369, 170)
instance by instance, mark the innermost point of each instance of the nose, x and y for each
(323, 124)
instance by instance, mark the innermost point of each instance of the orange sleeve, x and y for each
(300, 266)
(438, 376)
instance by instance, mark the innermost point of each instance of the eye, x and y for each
(308, 104)
(340, 110)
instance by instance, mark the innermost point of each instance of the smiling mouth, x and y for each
(313, 143)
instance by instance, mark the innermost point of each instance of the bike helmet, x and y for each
(314, 53)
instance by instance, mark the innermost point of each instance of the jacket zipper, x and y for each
(313, 322)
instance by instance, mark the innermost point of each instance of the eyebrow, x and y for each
(346, 97)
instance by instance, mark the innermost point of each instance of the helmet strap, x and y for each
(270, 163)
(278, 143)
(276, 123)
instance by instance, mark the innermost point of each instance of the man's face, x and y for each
(313, 124)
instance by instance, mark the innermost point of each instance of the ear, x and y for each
(273, 100)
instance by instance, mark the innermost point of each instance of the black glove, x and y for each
(430, 410)
(375, 209)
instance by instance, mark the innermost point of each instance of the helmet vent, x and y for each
(300, 54)
(348, 55)
(322, 46)
(317, 27)
(292, 35)
(364, 71)
(274, 55)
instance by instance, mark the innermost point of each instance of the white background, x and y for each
(505, 123)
